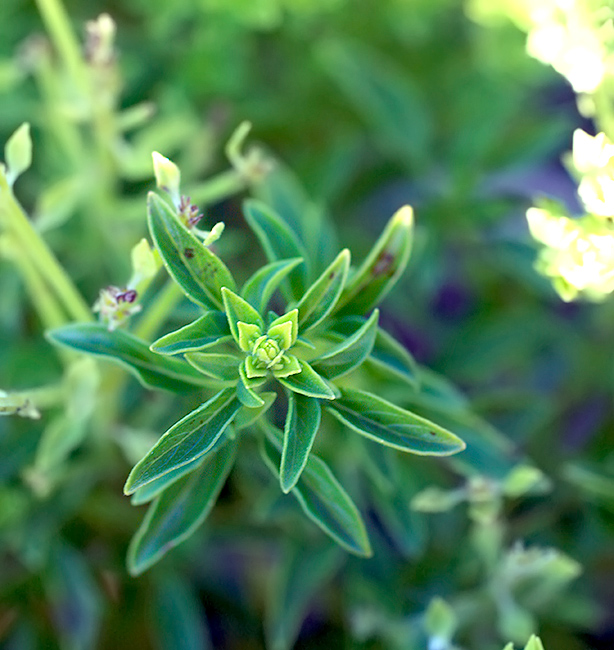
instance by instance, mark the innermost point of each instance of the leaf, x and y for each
(285, 329)
(383, 266)
(324, 501)
(180, 510)
(323, 294)
(247, 416)
(238, 310)
(263, 283)
(302, 423)
(199, 272)
(224, 367)
(245, 393)
(390, 425)
(304, 573)
(392, 359)
(202, 333)
(279, 243)
(189, 439)
(153, 370)
(350, 353)
(308, 382)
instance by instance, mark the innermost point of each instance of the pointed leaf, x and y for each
(180, 510)
(248, 397)
(224, 367)
(323, 294)
(382, 268)
(247, 416)
(202, 333)
(324, 501)
(153, 370)
(237, 310)
(279, 243)
(308, 382)
(302, 423)
(188, 439)
(390, 425)
(279, 329)
(199, 272)
(350, 353)
(392, 359)
(261, 286)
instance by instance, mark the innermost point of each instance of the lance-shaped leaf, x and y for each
(189, 439)
(239, 310)
(323, 294)
(153, 370)
(382, 267)
(390, 425)
(308, 382)
(180, 510)
(208, 330)
(261, 286)
(392, 360)
(199, 272)
(302, 423)
(245, 392)
(152, 489)
(279, 243)
(349, 353)
(247, 416)
(224, 367)
(324, 500)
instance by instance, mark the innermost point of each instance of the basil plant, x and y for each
(273, 359)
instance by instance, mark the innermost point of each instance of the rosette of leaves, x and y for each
(244, 357)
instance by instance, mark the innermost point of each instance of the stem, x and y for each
(61, 33)
(41, 257)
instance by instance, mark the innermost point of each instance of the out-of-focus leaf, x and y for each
(199, 272)
(390, 425)
(261, 286)
(153, 370)
(207, 331)
(187, 440)
(302, 423)
(180, 509)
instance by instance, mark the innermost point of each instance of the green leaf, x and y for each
(383, 266)
(208, 330)
(190, 438)
(247, 416)
(152, 489)
(308, 382)
(245, 393)
(261, 286)
(279, 243)
(199, 272)
(390, 425)
(391, 359)
(238, 310)
(350, 353)
(153, 370)
(286, 336)
(302, 423)
(224, 367)
(323, 294)
(180, 510)
(324, 501)
(304, 573)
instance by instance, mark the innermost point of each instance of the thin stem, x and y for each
(41, 256)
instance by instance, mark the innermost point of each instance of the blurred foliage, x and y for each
(372, 105)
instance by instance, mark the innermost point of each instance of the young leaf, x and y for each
(308, 382)
(390, 425)
(382, 268)
(279, 243)
(321, 297)
(247, 416)
(302, 423)
(285, 329)
(189, 439)
(153, 370)
(324, 501)
(238, 310)
(246, 395)
(261, 286)
(350, 353)
(202, 333)
(179, 510)
(224, 367)
(199, 272)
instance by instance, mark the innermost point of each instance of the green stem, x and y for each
(41, 257)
